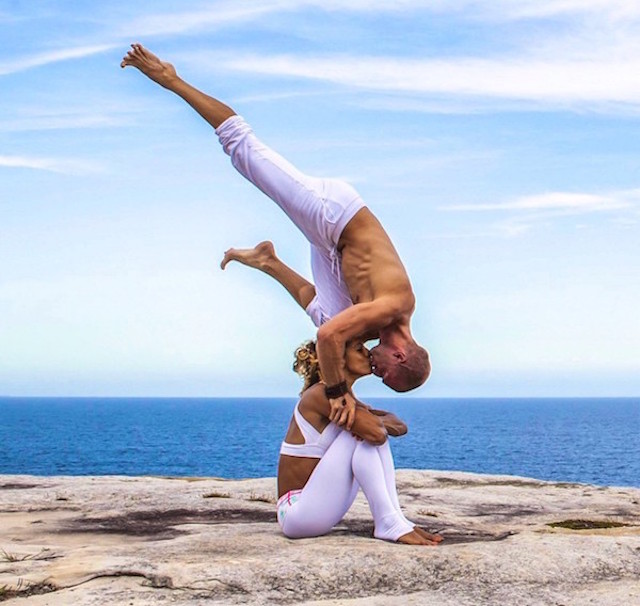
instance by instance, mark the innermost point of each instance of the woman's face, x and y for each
(357, 359)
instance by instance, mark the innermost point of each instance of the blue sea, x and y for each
(575, 440)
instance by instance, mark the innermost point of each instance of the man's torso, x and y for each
(371, 267)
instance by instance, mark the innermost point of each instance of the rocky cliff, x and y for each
(146, 541)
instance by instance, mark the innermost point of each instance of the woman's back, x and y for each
(299, 457)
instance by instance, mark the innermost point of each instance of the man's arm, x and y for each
(333, 336)
(357, 320)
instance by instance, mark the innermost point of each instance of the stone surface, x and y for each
(146, 541)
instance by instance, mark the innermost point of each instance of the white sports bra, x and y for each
(315, 443)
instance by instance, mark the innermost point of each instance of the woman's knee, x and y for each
(305, 529)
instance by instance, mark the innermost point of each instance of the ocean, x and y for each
(593, 441)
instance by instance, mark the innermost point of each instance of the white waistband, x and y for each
(312, 451)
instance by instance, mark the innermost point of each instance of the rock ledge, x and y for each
(116, 540)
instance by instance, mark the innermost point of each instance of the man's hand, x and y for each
(343, 411)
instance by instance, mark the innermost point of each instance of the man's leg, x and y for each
(320, 208)
(213, 111)
(263, 257)
(266, 169)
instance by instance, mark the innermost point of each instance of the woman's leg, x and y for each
(389, 522)
(326, 497)
(388, 466)
(332, 488)
(389, 469)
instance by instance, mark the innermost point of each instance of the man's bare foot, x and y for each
(159, 71)
(436, 538)
(415, 538)
(258, 256)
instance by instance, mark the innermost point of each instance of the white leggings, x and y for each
(327, 496)
(320, 208)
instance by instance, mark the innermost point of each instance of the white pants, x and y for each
(327, 496)
(320, 208)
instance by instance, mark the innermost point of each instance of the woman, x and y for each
(322, 466)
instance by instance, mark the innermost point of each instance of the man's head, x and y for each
(401, 368)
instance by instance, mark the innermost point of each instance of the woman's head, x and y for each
(357, 362)
(306, 364)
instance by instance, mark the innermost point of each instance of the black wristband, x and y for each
(335, 391)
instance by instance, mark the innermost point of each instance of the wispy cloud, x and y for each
(54, 114)
(62, 123)
(559, 83)
(225, 12)
(526, 212)
(220, 16)
(582, 61)
(558, 201)
(20, 64)
(527, 9)
(67, 166)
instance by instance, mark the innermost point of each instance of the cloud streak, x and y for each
(224, 13)
(558, 201)
(21, 64)
(528, 211)
(558, 83)
(185, 22)
(67, 166)
(62, 123)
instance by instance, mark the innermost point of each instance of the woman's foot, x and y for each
(435, 538)
(416, 538)
(258, 257)
(159, 71)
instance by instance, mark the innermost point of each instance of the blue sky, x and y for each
(498, 142)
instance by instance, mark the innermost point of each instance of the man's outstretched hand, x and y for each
(343, 411)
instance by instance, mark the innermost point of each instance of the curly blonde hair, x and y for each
(306, 364)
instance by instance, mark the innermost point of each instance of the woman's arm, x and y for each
(315, 407)
(394, 425)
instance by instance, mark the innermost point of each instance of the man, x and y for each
(362, 289)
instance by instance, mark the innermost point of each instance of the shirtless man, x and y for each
(362, 289)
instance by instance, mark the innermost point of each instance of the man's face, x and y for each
(383, 362)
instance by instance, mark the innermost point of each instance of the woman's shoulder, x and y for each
(314, 399)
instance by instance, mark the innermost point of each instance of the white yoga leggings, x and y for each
(347, 464)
